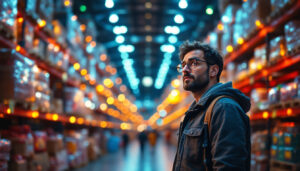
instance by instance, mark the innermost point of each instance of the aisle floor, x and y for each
(159, 158)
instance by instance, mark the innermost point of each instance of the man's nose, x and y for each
(186, 68)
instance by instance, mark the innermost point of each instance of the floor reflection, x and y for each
(157, 158)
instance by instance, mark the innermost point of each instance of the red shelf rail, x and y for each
(276, 113)
(261, 34)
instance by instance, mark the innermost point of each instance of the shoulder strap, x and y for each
(208, 112)
(206, 144)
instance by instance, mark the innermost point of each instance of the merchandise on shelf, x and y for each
(39, 48)
(74, 101)
(59, 161)
(45, 9)
(16, 76)
(259, 99)
(277, 49)
(288, 91)
(59, 32)
(55, 144)
(18, 163)
(8, 16)
(259, 61)
(31, 8)
(292, 36)
(286, 142)
(274, 95)
(21, 140)
(259, 147)
(40, 140)
(277, 6)
(5, 147)
(39, 161)
(57, 58)
(42, 89)
(228, 20)
(242, 71)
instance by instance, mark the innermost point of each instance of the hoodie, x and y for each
(229, 133)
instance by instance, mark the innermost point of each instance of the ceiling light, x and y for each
(109, 3)
(148, 16)
(209, 10)
(172, 39)
(120, 39)
(148, 5)
(120, 29)
(183, 4)
(147, 81)
(172, 30)
(148, 28)
(82, 8)
(148, 38)
(178, 19)
(113, 18)
(167, 48)
(126, 48)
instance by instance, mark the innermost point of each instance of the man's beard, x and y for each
(195, 84)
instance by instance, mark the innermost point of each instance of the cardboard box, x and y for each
(39, 162)
(24, 147)
(54, 145)
(20, 165)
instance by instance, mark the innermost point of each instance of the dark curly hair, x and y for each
(211, 55)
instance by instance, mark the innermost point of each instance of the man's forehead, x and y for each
(194, 53)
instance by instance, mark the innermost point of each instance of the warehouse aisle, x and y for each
(159, 158)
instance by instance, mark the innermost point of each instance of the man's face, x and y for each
(195, 77)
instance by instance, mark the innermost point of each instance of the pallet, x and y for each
(276, 165)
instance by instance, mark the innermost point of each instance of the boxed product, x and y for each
(242, 71)
(55, 144)
(57, 58)
(40, 138)
(39, 48)
(278, 5)
(18, 163)
(274, 95)
(8, 14)
(74, 101)
(93, 149)
(291, 154)
(16, 75)
(277, 48)
(259, 99)
(5, 147)
(288, 91)
(29, 37)
(45, 9)
(259, 61)
(240, 25)
(292, 36)
(42, 89)
(59, 32)
(59, 162)
(39, 162)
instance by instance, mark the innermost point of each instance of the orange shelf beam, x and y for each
(276, 113)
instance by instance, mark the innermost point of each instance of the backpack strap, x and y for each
(206, 126)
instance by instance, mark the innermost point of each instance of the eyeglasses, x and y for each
(191, 64)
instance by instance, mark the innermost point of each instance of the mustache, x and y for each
(188, 75)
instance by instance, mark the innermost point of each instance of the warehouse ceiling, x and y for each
(146, 22)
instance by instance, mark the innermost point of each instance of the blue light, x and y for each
(109, 3)
(172, 39)
(172, 30)
(120, 29)
(167, 55)
(113, 18)
(183, 4)
(167, 48)
(120, 39)
(178, 19)
(124, 55)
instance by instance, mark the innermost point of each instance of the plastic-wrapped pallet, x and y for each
(42, 89)
(16, 75)
(8, 14)
(292, 36)
(277, 49)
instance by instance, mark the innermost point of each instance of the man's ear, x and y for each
(213, 70)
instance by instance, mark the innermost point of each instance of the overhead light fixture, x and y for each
(109, 3)
(148, 38)
(120, 29)
(126, 48)
(120, 39)
(82, 8)
(183, 4)
(147, 81)
(178, 19)
(172, 39)
(172, 29)
(148, 16)
(167, 48)
(113, 18)
(148, 28)
(148, 5)
(209, 10)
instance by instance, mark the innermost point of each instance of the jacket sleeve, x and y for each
(229, 137)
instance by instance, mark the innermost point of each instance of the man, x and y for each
(229, 131)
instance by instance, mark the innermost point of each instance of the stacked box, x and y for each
(292, 36)
(42, 90)
(4, 153)
(228, 20)
(286, 142)
(45, 9)
(8, 14)
(259, 61)
(57, 58)
(242, 71)
(277, 49)
(59, 32)
(288, 91)
(259, 99)
(259, 148)
(57, 152)
(74, 101)
(16, 75)
(274, 95)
